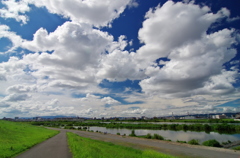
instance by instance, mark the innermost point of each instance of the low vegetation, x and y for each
(180, 141)
(18, 137)
(237, 148)
(155, 136)
(212, 143)
(132, 134)
(85, 147)
(193, 142)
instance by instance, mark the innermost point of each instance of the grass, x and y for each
(18, 137)
(88, 148)
(193, 142)
(237, 148)
(212, 143)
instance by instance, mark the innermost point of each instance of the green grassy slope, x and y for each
(16, 137)
(84, 147)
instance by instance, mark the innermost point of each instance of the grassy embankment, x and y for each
(18, 137)
(84, 147)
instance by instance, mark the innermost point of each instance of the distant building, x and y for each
(189, 117)
(7, 119)
(237, 116)
(223, 116)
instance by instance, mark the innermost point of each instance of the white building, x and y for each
(223, 116)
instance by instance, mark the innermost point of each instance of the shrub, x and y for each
(225, 143)
(149, 136)
(118, 133)
(237, 148)
(157, 136)
(132, 134)
(179, 141)
(193, 142)
(211, 142)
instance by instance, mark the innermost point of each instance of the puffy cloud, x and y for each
(196, 58)
(13, 71)
(16, 40)
(94, 12)
(74, 45)
(21, 88)
(135, 111)
(17, 97)
(133, 4)
(110, 101)
(2, 77)
(77, 50)
(4, 104)
(15, 9)
(172, 25)
(120, 66)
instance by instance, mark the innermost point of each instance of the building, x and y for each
(223, 116)
(188, 117)
(237, 116)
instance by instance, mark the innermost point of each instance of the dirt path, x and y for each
(55, 147)
(172, 148)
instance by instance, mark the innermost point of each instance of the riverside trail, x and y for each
(55, 147)
(59, 146)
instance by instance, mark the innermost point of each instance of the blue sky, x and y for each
(118, 58)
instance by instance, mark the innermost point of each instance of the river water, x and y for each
(173, 135)
(187, 123)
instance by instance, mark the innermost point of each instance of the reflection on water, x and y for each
(187, 123)
(174, 135)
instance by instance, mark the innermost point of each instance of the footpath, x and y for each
(55, 147)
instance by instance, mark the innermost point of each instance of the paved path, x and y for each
(55, 147)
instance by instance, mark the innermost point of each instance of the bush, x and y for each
(225, 143)
(179, 141)
(211, 142)
(132, 134)
(193, 142)
(237, 148)
(118, 133)
(149, 136)
(157, 136)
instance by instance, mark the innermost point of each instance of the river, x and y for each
(173, 135)
(187, 123)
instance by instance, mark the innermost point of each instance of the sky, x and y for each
(119, 58)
